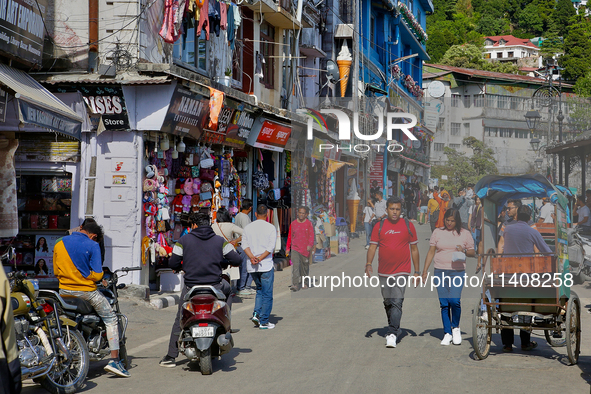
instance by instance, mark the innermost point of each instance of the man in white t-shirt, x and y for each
(584, 219)
(242, 220)
(368, 217)
(547, 212)
(258, 242)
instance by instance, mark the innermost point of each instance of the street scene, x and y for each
(295, 195)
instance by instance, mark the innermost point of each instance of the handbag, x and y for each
(195, 171)
(205, 196)
(161, 226)
(206, 174)
(185, 172)
(206, 160)
(458, 257)
(150, 185)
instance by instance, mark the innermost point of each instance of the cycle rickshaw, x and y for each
(528, 292)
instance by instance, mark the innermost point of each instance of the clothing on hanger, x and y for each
(223, 16)
(258, 70)
(204, 20)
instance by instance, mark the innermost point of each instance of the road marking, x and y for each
(165, 338)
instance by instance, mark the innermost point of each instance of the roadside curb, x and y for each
(165, 301)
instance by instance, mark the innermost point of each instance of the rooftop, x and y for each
(510, 41)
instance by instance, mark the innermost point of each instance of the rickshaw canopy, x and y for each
(500, 188)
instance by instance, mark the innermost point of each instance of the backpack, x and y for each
(405, 221)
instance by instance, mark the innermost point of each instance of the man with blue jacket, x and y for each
(77, 264)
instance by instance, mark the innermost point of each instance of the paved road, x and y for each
(334, 342)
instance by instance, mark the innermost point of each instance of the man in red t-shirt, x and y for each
(397, 239)
(301, 243)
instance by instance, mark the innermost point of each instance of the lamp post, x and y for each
(539, 162)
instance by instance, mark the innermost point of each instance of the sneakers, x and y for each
(268, 326)
(366, 247)
(390, 340)
(532, 345)
(117, 368)
(447, 338)
(245, 292)
(255, 320)
(456, 336)
(167, 362)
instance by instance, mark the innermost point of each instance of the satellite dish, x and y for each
(436, 89)
(332, 72)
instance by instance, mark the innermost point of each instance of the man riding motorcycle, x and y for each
(202, 255)
(78, 266)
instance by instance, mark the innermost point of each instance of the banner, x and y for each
(38, 116)
(271, 136)
(187, 113)
(22, 29)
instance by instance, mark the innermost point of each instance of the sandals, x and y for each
(532, 345)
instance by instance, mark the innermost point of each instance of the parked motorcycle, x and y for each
(51, 351)
(88, 321)
(579, 255)
(205, 325)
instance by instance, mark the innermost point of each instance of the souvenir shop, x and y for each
(39, 170)
(327, 182)
(202, 168)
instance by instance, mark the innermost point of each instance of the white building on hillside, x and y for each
(508, 48)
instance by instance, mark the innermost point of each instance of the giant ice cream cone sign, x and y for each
(344, 61)
(353, 203)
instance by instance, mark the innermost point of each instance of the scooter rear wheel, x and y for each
(205, 363)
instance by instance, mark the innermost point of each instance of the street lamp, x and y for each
(532, 118)
(535, 144)
(539, 163)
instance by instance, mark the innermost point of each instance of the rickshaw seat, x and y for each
(523, 264)
(546, 228)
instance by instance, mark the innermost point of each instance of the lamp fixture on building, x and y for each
(164, 143)
(535, 144)
(539, 162)
(175, 153)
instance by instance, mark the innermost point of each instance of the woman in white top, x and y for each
(368, 215)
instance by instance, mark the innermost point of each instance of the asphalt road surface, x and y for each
(334, 342)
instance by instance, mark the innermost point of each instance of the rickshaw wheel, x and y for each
(481, 335)
(573, 328)
(554, 342)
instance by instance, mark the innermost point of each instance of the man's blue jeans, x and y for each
(263, 302)
(368, 228)
(476, 238)
(450, 292)
(245, 277)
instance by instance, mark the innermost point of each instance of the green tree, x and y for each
(462, 169)
(530, 19)
(577, 48)
(559, 20)
(470, 56)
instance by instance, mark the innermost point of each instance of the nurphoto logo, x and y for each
(390, 121)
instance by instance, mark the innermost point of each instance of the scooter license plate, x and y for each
(200, 332)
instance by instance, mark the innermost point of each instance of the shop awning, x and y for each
(38, 106)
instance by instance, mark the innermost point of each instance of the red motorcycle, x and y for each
(205, 325)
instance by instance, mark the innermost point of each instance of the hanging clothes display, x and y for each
(214, 16)
(223, 15)
(204, 20)
(258, 70)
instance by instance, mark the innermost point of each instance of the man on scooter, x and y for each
(78, 266)
(201, 254)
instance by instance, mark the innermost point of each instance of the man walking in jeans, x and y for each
(397, 240)
(301, 243)
(242, 220)
(258, 242)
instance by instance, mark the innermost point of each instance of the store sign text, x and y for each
(104, 104)
(393, 147)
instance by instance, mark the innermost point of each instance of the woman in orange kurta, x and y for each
(442, 201)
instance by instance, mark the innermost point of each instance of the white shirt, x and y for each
(260, 236)
(469, 193)
(242, 220)
(367, 214)
(546, 212)
(584, 213)
(380, 207)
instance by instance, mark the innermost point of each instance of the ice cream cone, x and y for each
(353, 206)
(344, 68)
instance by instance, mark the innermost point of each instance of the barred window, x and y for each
(455, 100)
(521, 134)
(467, 101)
(490, 131)
(466, 129)
(514, 102)
(479, 100)
(441, 124)
(506, 133)
(502, 101)
(439, 147)
(491, 100)
(455, 146)
(455, 128)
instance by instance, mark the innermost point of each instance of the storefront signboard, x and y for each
(238, 130)
(187, 113)
(22, 29)
(270, 135)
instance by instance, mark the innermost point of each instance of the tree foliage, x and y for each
(470, 56)
(462, 169)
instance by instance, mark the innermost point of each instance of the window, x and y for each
(502, 101)
(455, 100)
(372, 32)
(502, 42)
(466, 129)
(192, 50)
(488, 41)
(487, 55)
(411, 5)
(491, 100)
(514, 102)
(505, 133)
(521, 134)
(466, 101)
(509, 54)
(419, 17)
(441, 124)
(479, 100)
(237, 58)
(268, 50)
(455, 128)
(455, 146)
(490, 131)
(439, 147)
(499, 55)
